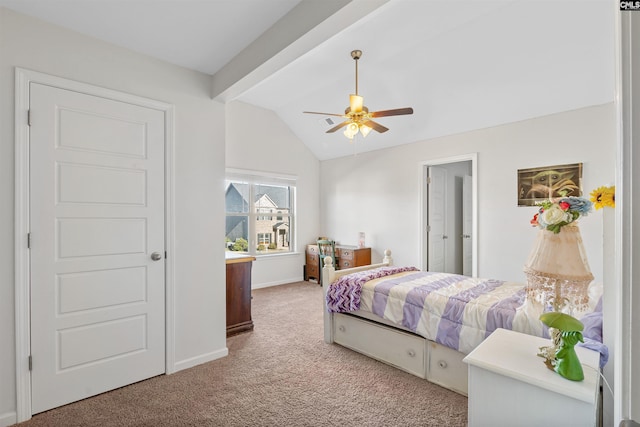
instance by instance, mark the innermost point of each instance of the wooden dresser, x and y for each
(238, 293)
(346, 257)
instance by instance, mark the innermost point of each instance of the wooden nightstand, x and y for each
(509, 385)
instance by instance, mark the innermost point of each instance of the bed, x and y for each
(425, 323)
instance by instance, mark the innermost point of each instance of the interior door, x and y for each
(437, 238)
(97, 245)
(467, 226)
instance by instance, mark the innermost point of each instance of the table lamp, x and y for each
(557, 270)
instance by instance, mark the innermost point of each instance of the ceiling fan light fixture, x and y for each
(356, 103)
(357, 116)
(351, 130)
(364, 130)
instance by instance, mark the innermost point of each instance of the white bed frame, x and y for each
(374, 337)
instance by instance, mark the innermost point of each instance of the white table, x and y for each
(509, 385)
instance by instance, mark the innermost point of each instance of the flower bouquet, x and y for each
(556, 213)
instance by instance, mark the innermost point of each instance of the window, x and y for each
(259, 213)
(264, 238)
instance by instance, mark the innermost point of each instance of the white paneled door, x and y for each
(437, 218)
(467, 225)
(97, 245)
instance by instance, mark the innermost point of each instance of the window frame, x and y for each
(256, 214)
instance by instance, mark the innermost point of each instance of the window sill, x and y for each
(268, 256)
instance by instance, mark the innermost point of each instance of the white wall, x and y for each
(379, 192)
(199, 173)
(258, 140)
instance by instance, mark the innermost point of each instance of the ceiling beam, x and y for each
(305, 27)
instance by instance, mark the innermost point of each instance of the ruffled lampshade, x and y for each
(557, 270)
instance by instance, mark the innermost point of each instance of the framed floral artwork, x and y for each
(537, 184)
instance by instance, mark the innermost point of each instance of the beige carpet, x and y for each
(281, 374)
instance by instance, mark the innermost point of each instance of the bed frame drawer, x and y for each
(392, 346)
(446, 368)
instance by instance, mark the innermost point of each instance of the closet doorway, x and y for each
(449, 215)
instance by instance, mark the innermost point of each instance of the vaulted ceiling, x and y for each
(461, 65)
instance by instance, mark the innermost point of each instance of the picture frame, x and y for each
(537, 184)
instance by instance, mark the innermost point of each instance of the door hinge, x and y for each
(30, 363)
(428, 180)
(28, 240)
(28, 117)
(428, 228)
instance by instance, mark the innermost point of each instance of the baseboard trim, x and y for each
(199, 360)
(8, 419)
(276, 283)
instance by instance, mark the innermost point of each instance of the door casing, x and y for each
(473, 157)
(23, 79)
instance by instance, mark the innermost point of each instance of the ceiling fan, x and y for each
(358, 117)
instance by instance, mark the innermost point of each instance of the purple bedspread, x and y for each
(344, 294)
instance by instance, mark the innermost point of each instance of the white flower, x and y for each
(554, 215)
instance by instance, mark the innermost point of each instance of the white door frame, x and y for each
(625, 275)
(23, 78)
(473, 157)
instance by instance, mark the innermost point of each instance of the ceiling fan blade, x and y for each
(324, 114)
(375, 126)
(335, 128)
(396, 112)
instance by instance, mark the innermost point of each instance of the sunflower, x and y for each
(604, 196)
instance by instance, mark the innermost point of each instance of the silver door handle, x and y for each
(156, 256)
(466, 236)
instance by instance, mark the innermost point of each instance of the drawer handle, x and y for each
(342, 328)
(411, 353)
(442, 364)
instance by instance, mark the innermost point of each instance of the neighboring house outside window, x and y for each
(264, 225)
